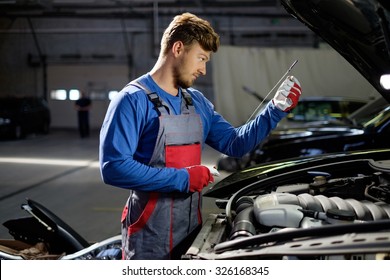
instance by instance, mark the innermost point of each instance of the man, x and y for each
(82, 106)
(153, 134)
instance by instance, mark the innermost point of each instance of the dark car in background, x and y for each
(333, 206)
(366, 128)
(315, 109)
(21, 116)
(318, 109)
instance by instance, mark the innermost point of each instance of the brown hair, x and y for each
(189, 28)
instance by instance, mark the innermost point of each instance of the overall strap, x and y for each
(160, 106)
(188, 102)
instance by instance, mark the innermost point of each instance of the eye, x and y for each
(203, 58)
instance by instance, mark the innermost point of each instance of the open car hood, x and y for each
(357, 29)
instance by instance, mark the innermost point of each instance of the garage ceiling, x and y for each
(137, 8)
(36, 34)
(251, 19)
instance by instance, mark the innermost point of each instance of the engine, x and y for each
(318, 212)
(321, 202)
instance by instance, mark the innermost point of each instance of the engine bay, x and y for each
(264, 217)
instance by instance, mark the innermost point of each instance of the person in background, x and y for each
(152, 138)
(82, 106)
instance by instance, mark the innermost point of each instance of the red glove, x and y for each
(200, 177)
(287, 96)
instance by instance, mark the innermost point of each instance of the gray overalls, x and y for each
(153, 223)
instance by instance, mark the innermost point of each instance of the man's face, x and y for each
(190, 65)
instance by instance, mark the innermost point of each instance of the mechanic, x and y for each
(152, 137)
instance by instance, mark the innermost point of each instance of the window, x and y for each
(74, 94)
(59, 94)
(111, 94)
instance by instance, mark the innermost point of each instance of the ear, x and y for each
(177, 48)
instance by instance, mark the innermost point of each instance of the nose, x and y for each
(202, 69)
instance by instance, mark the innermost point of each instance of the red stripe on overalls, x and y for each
(145, 215)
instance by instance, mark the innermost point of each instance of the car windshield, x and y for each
(322, 110)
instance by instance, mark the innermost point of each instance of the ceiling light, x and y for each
(385, 81)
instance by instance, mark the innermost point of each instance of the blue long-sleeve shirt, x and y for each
(130, 128)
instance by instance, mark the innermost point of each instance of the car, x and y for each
(327, 206)
(304, 129)
(314, 110)
(42, 235)
(363, 129)
(21, 116)
(366, 128)
(335, 206)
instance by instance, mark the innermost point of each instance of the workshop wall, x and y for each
(42, 54)
(321, 72)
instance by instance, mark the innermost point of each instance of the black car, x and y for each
(20, 116)
(318, 109)
(328, 206)
(366, 128)
(317, 125)
(335, 206)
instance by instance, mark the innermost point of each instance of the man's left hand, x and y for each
(287, 96)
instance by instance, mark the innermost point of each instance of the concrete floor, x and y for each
(60, 171)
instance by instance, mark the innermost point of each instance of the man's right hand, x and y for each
(200, 177)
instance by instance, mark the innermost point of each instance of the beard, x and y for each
(184, 84)
(179, 78)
